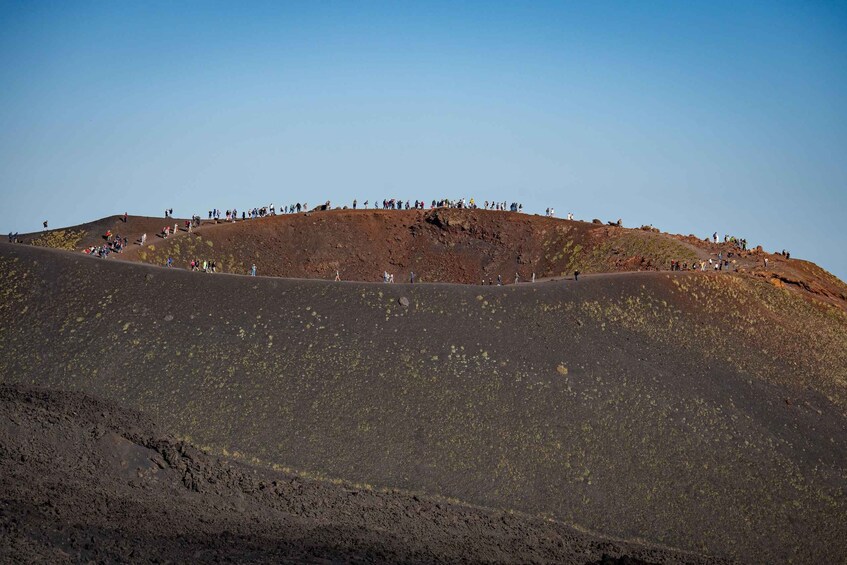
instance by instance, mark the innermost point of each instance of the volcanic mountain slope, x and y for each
(705, 412)
(85, 480)
(446, 245)
(85, 235)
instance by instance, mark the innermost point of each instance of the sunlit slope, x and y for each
(445, 245)
(84, 235)
(441, 245)
(705, 412)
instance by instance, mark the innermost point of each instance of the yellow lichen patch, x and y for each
(60, 239)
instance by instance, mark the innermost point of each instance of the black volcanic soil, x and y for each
(82, 480)
(702, 412)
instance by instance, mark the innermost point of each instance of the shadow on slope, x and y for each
(87, 480)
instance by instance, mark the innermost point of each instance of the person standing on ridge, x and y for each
(45, 225)
(576, 275)
(253, 270)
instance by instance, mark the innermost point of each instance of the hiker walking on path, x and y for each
(576, 275)
(337, 276)
(253, 271)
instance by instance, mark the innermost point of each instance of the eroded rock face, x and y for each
(446, 218)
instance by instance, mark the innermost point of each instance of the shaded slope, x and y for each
(697, 411)
(84, 480)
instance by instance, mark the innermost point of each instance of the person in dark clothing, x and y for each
(576, 275)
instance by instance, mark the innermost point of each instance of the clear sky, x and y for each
(692, 116)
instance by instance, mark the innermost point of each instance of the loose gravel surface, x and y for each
(82, 480)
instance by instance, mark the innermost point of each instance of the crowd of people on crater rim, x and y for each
(231, 215)
(113, 244)
(723, 261)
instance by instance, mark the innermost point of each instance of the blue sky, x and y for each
(694, 117)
